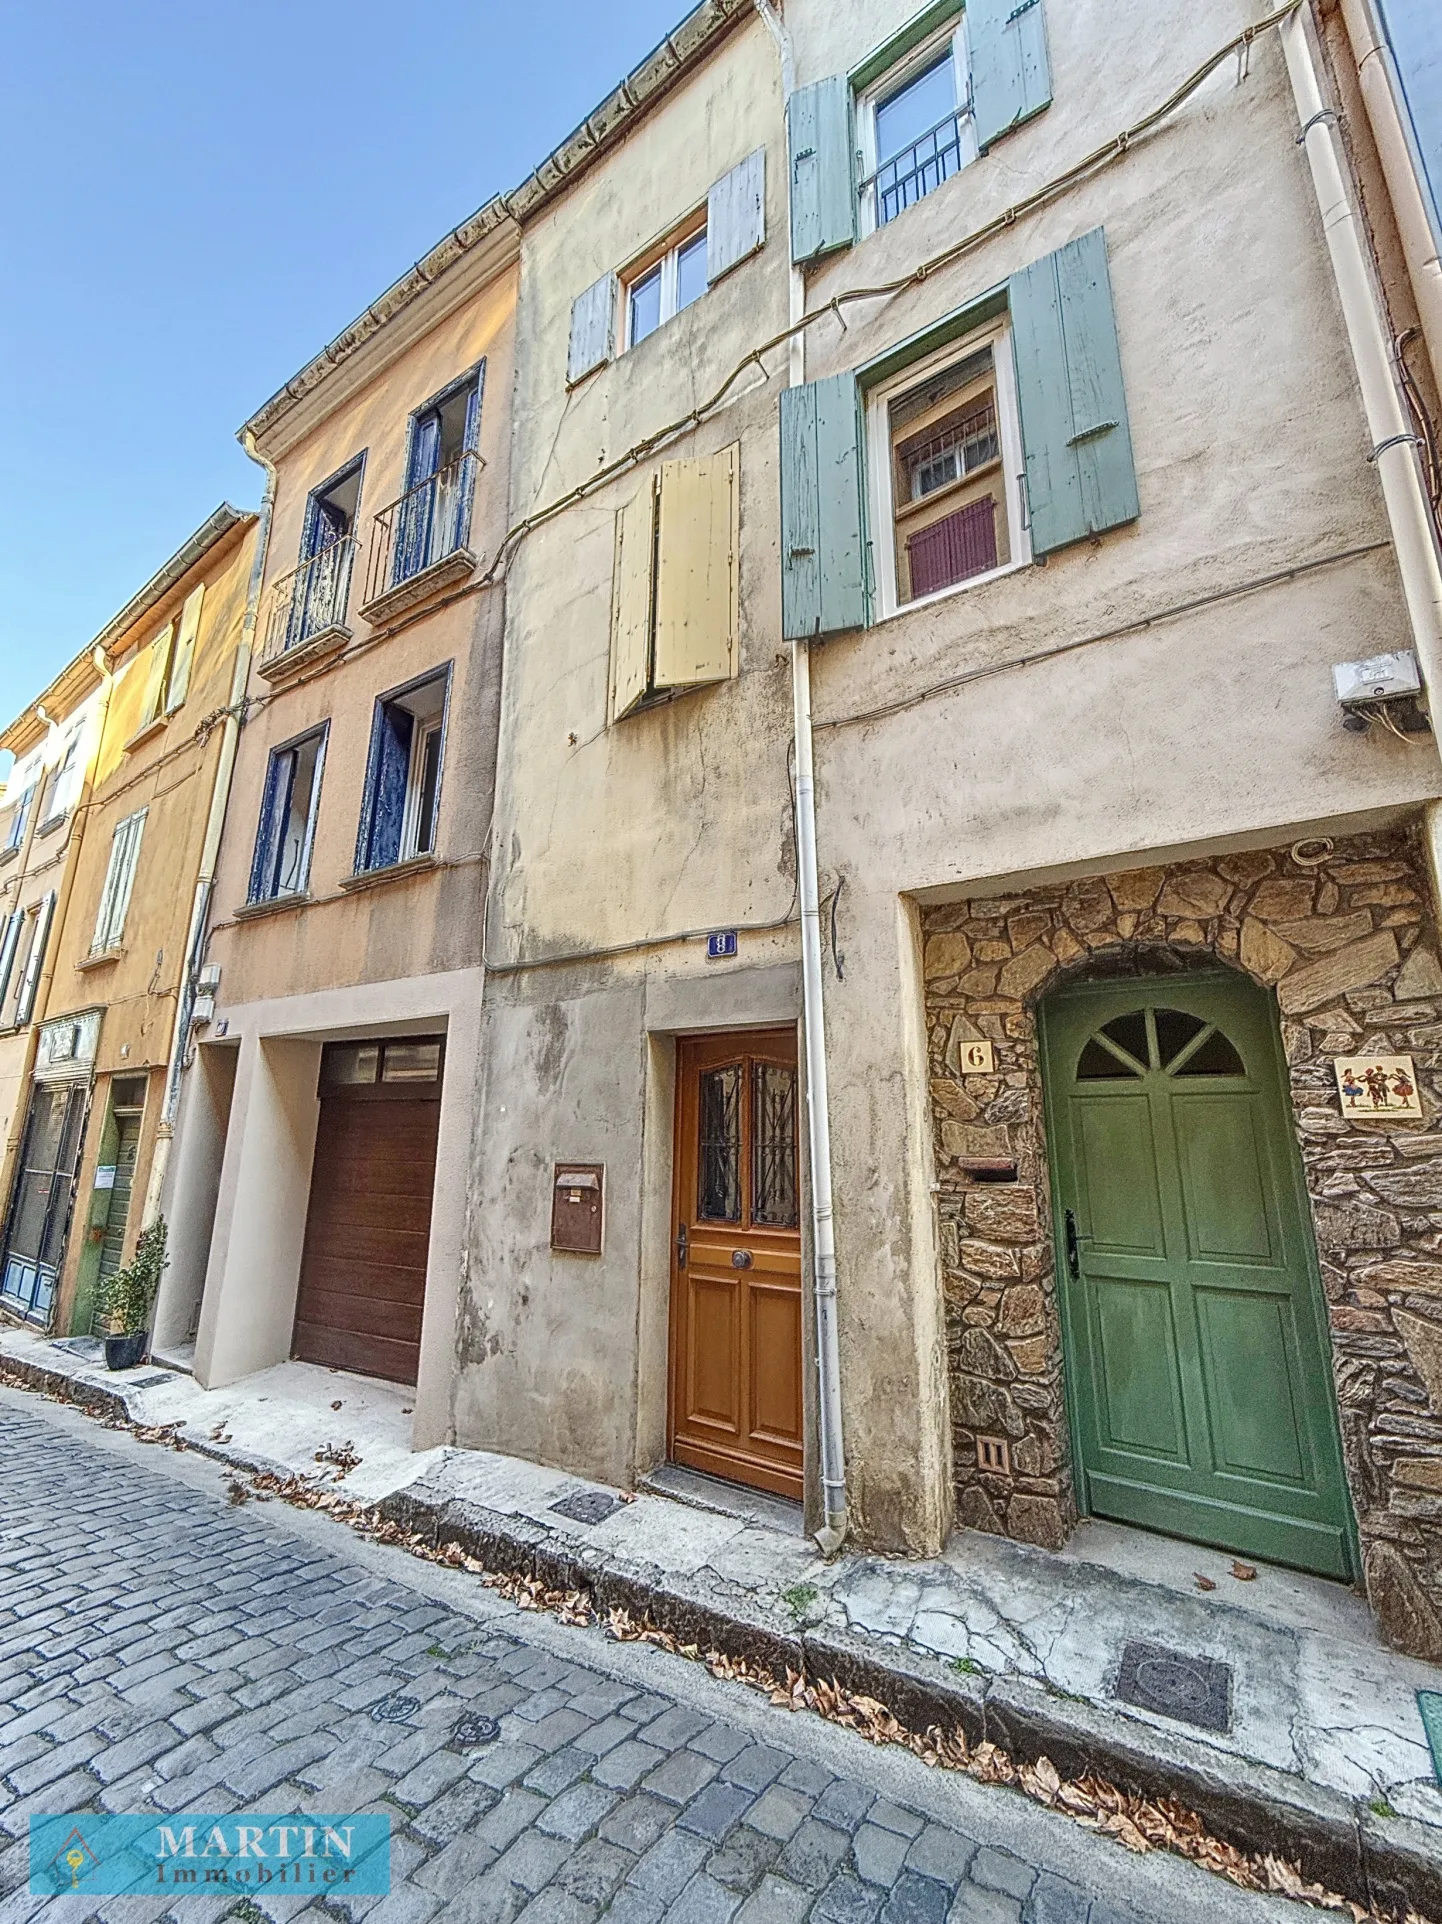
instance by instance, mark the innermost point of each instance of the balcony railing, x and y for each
(906, 177)
(311, 599)
(429, 523)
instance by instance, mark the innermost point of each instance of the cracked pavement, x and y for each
(163, 1651)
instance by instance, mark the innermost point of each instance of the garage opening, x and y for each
(367, 1233)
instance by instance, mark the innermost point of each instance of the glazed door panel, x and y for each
(735, 1397)
(1197, 1354)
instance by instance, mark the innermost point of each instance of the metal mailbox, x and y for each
(577, 1196)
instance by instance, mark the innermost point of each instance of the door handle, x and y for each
(1073, 1251)
(741, 1259)
(683, 1244)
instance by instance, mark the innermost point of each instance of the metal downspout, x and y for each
(1393, 442)
(210, 847)
(832, 1533)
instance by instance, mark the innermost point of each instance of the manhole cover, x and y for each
(1193, 1690)
(587, 1506)
(394, 1710)
(472, 1730)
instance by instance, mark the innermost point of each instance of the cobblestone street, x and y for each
(162, 1651)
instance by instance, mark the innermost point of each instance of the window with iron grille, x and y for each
(916, 127)
(942, 474)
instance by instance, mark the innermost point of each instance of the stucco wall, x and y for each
(428, 921)
(1349, 944)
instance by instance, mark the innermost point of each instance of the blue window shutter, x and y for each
(262, 867)
(736, 216)
(823, 189)
(1080, 478)
(1010, 71)
(823, 552)
(384, 807)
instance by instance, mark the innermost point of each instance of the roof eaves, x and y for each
(640, 90)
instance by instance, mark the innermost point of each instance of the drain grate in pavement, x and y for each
(148, 1382)
(1193, 1690)
(587, 1506)
(473, 1729)
(394, 1709)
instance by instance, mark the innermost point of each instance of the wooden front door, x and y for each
(1192, 1311)
(735, 1405)
(367, 1232)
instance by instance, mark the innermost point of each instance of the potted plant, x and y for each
(128, 1297)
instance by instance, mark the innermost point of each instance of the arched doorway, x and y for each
(1199, 1385)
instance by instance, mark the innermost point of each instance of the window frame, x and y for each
(19, 813)
(310, 519)
(879, 92)
(880, 466)
(320, 734)
(665, 256)
(438, 725)
(118, 886)
(62, 784)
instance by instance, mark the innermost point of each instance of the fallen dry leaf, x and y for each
(1243, 1572)
(1203, 1583)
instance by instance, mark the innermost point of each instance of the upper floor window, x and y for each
(281, 865)
(946, 459)
(321, 587)
(916, 127)
(659, 287)
(16, 818)
(432, 520)
(23, 937)
(62, 784)
(168, 662)
(119, 881)
(403, 775)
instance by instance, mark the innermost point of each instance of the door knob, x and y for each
(741, 1259)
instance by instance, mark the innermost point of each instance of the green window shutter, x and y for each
(823, 192)
(1077, 445)
(1010, 71)
(823, 552)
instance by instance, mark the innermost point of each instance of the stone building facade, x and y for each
(1342, 930)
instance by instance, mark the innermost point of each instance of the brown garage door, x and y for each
(363, 1271)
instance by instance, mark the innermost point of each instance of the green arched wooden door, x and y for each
(1198, 1371)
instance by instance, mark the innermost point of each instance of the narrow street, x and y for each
(163, 1651)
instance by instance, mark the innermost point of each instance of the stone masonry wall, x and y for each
(1345, 935)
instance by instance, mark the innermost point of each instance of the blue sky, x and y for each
(196, 199)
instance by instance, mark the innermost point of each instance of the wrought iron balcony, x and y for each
(416, 536)
(906, 177)
(310, 601)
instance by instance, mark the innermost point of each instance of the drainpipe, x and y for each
(1393, 443)
(1380, 87)
(210, 847)
(832, 1533)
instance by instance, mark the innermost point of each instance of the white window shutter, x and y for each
(736, 215)
(9, 942)
(697, 570)
(593, 328)
(25, 1006)
(156, 669)
(631, 603)
(119, 880)
(184, 649)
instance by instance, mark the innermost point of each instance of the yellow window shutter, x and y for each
(697, 570)
(155, 673)
(631, 603)
(184, 649)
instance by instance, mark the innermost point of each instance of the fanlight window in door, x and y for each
(1148, 1039)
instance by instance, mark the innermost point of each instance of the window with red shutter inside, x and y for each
(953, 550)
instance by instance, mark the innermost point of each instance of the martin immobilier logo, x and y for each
(292, 1852)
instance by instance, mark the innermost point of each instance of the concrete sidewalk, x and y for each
(1295, 1730)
